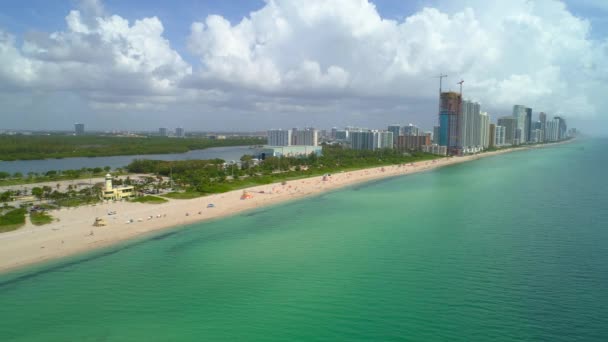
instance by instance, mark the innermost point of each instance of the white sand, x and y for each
(71, 233)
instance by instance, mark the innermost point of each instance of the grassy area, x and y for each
(41, 218)
(23, 147)
(12, 220)
(150, 199)
(184, 195)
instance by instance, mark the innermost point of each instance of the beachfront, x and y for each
(73, 231)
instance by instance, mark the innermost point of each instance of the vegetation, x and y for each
(202, 177)
(40, 218)
(23, 147)
(55, 175)
(12, 220)
(150, 199)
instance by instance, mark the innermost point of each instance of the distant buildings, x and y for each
(79, 128)
(289, 151)
(397, 132)
(279, 137)
(510, 125)
(306, 137)
(435, 149)
(180, 133)
(412, 142)
(411, 130)
(542, 117)
(163, 132)
(371, 140)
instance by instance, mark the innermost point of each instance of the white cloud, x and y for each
(333, 60)
(536, 53)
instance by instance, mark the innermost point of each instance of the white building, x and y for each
(371, 140)
(552, 130)
(471, 127)
(279, 137)
(499, 137)
(519, 114)
(435, 149)
(289, 151)
(484, 130)
(306, 137)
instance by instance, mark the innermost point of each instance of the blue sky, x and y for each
(338, 65)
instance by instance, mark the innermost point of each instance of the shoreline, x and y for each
(73, 233)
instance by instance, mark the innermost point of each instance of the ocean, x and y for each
(507, 248)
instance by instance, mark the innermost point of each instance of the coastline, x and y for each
(73, 232)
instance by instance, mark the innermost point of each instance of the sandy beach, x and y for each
(73, 230)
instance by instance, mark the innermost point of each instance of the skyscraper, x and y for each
(552, 130)
(180, 133)
(528, 124)
(162, 132)
(449, 121)
(519, 114)
(79, 128)
(510, 125)
(436, 135)
(562, 129)
(492, 135)
(484, 130)
(542, 117)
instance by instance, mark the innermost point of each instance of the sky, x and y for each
(248, 65)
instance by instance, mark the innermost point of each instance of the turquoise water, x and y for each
(508, 248)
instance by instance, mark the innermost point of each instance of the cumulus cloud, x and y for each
(536, 53)
(97, 56)
(334, 61)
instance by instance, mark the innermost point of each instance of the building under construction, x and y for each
(450, 119)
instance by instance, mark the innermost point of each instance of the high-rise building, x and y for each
(510, 125)
(450, 113)
(436, 135)
(552, 130)
(519, 113)
(79, 128)
(528, 124)
(484, 130)
(341, 135)
(163, 132)
(333, 132)
(396, 130)
(536, 136)
(492, 135)
(371, 140)
(542, 117)
(500, 136)
(306, 137)
(279, 137)
(563, 128)
(469, 127)
(180, 133)
(411, 130)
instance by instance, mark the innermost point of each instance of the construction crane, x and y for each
(461, 82)
(440, 77)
